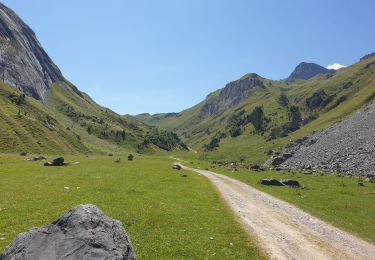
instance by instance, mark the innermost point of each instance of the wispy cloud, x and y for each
(335, 66)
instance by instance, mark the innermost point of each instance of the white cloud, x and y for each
(335, 66)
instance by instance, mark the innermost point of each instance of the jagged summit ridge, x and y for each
(23, 62)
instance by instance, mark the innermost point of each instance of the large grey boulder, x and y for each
(82, 233)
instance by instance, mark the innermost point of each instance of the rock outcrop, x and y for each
(347, 146)
(82, 233)
(233, 93)
(368, 56)
(23, 62)
(307, 71)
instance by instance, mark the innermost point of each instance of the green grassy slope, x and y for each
(71, 122)
(321, 101)
(167, 216)
(27, 125)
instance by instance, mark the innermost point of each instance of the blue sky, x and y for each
(165, 56)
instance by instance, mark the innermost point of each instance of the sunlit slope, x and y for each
(71, 122)
(253, 115)
(27, 125)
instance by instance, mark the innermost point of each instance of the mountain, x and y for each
(307, 71)
(23, 62)
(41, 112)
(253, 117)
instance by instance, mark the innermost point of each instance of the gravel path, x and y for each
(283, 230)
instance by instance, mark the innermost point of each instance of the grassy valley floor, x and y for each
(166, 215)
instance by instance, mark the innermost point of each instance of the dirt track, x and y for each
(283, 230)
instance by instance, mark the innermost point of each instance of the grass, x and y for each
(197, 128)
(167, 216)
(33, 127)
(337, 200)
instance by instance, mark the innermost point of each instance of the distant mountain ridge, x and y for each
(253, 115)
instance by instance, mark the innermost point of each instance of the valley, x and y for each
(207, 182)
(166, 215)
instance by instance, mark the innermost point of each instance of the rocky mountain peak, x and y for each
(23, 62)
(307, 71)
(234, 93)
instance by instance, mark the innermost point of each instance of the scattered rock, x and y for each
(56, 162)
(60, 162)
(82, 233)
(291, 183)
(256, 167)
(270, 182)
(74, 163)
(287, 155)
(39, 158)
(277, 160)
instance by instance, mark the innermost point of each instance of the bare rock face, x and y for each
(23, 62)
(82, 233)
(233, 93)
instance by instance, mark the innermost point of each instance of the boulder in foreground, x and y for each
(82, 233)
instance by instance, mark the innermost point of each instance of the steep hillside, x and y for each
(27, 125)
(41, 112)
(347, 146)
(253, 115)
(23, 62)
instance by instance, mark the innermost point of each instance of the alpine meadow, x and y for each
(260, 168)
